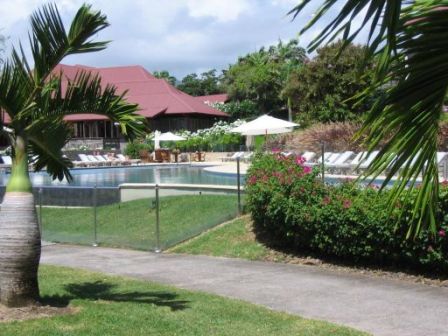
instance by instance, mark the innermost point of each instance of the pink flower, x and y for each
(275, 150)
(252, 180)
(347, 204)
(326, 200)
(307, 170)
(300, 160)
(442, 233)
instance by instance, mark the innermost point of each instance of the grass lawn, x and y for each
(234, 240)
(119, 306)
(133, 224)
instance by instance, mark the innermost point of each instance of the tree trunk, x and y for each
(19, 250)
(19, 236)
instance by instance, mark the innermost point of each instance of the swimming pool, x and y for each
(112, 177)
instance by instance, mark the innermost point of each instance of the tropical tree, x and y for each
(260, 76)
(35, 102)
(321, 89)
(206, 84)
(245, 109)
(166, 76)
(409, 39)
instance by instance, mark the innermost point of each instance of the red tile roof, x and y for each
(154, 96)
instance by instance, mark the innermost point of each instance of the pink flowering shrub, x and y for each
(292, 209)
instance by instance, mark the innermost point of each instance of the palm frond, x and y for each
(384, 12)
(412, 110)
(85, 94)
(50, 42)
(15, 85)
(45, 148)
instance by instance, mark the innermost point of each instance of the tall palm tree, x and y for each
(409, 41)
(35, 102)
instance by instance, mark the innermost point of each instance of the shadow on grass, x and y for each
(100, 290)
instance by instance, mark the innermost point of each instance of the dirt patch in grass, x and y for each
(34, 312)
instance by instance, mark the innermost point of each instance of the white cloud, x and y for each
(221, 10)
(13, 11)
(181, 36)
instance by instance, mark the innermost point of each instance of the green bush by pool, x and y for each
(293, 209)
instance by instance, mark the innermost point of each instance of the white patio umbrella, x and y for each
(265, 125)
(168, 136)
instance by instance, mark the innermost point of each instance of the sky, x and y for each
(181, 36)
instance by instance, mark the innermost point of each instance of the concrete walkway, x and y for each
(378, 306)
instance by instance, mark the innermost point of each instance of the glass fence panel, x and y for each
(132, 217)
(66, 215)
(130, 222)
(186, 213)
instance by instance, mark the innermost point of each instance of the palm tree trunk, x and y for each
(20, 244)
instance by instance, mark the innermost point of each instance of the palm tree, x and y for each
(409, 42)
(35, 102)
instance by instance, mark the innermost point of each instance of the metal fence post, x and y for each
(445, 166)
(95, 240)
(323, 161)
(238, 176)
(40, 210)
(157, 249)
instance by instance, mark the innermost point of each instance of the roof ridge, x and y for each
(171, 93)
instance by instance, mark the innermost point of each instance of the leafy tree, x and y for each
(36, 103)
(410, 39)
(261, 75)
(245, 109)
(206, 84)
(166, 76)
(321, 89)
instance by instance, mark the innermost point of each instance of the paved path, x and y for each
(382, 307)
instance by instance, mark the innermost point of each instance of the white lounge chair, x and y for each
(368, 160)
(327, 156)
(362, 160)
(341, 163)
(7, 160)
(247, 156)
(85, 161)
(95, 161)
(100, 158)
(442, 163)
(235, 156)
(308, 156)
(122, 158)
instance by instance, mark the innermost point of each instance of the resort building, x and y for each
(166, 108)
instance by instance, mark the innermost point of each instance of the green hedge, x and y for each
(293, 209)
(133, 148)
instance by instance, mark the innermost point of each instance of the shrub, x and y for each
(216, 138)
(133, 148)
(292, 209)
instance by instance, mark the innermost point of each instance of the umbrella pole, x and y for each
(266, 140)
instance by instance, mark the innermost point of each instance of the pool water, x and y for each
(112, 177)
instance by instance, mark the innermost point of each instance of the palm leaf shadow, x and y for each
(100, 290)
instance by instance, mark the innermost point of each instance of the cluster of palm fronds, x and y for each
(409, 40)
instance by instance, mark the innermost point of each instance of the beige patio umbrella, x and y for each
(265, 125)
